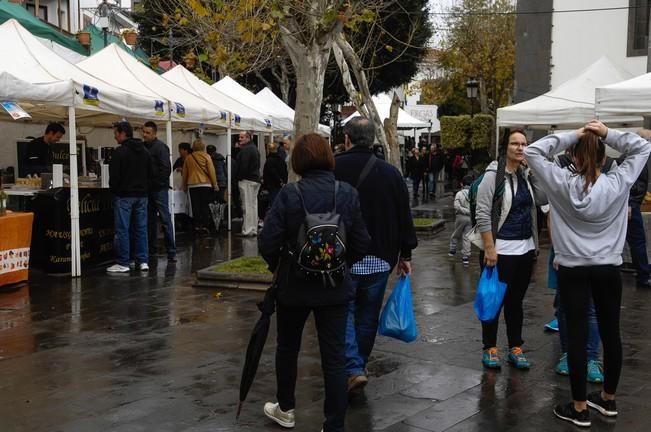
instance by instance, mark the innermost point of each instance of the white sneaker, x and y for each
(117, 268)
(143, 267)
(283, 418)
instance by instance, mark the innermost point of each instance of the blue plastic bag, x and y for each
(490, 294)
(397, 319)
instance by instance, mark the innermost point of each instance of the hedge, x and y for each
(482, 126)
(455, 131)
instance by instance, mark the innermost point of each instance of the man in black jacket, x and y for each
(248, 181)
(158, 199)
(384, 201)
(274, 173)
(39, 150)
(130, 171)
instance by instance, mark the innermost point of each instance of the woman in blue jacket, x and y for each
(297, 297)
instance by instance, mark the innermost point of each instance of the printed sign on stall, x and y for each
(15, 111)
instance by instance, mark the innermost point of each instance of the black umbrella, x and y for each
(258, 338)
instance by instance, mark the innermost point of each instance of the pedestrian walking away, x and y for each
(131, 170)
(462, 223)
(506, 231)
(158, 198)
(589, 215)
(385, 206)
(299, 295)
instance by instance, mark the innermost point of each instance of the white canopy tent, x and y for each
(383, 106)
(570, 105)
(233, 89)
(627, 98)
(38, 79)
(269, 98)
(244, 118)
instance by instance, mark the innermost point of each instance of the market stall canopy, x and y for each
(243, 117)
(38, 28)
(269, 98)
(233, 89)
(47, 93)
(627, 98)
(383, 106)
(116, 66)
(570, 105)
(97, 102)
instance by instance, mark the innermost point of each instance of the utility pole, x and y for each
(647, 120)
(170, 44)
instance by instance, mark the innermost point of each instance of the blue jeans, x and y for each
(159, 204)
(123, 210)
(636, 238)
(594, 340)
(431, 182)
(363, 317)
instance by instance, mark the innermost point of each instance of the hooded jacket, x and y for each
(160, 153)
(588, 227)
(131, 169)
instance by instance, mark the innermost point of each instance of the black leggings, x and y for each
(515, 271)
(576, 285)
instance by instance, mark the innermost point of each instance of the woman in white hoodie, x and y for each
(589, 217)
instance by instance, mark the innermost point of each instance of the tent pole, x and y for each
(75, 243)
(170, 192)
(229, 186)
(497, 142)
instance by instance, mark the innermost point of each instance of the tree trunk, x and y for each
(283, 80)
(391, 131)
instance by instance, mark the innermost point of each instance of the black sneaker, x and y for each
(607, 408)
(568, 413)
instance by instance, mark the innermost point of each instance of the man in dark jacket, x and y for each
(274, 174)
(635, 232)
(219, 162)
(39, 150)
(248, 181)
(130, 172)
(384, 201)
(158, 199)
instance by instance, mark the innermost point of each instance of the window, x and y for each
(42, 11)
(638, 27)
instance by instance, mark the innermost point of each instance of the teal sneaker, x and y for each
(517, 359)
(561, 367)
(552, 325)
(490, 359)
(595, 372)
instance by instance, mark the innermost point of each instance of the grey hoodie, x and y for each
(588, 228)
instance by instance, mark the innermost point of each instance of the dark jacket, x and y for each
(39, 157)
(248, 163)
(384, 201)
(640, 187)
(160, 154)
(281, 229)
(274, 173)
(130, 169)
(219, 162)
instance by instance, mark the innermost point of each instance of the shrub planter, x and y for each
(249, 273)
(428, 226)
(130, 38)
(84, 38)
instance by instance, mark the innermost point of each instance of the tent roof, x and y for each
(630, 97)
(233, 89)
(383, 106)
(269, 98)
(37, 27)
(568, 106)
(248, 118)
(97, 102)
(115, 65)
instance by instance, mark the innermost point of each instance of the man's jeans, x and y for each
(123, 211)
(594, 340)
(431, 183)
(636, 238)
(363, 317)
(159, 204)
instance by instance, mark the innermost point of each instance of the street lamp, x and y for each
(104, 20)
(429, 135)
(472, 88)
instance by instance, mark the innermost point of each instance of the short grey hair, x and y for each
(360, 132)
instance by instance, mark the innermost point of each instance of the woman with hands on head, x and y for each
(589, 213)
(506, 221)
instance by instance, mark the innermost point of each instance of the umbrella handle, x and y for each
(239, 410)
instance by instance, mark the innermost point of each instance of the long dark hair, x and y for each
(588, 154)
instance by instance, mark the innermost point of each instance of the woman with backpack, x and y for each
(589, 219)
(506, 223)
(319, 196)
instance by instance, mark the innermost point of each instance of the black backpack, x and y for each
(320, 252)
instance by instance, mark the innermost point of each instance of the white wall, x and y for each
(580, 39)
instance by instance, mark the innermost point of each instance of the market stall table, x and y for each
(15, 240)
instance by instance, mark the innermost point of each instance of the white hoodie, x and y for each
(588, 228)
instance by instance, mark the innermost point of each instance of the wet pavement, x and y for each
(152, 353)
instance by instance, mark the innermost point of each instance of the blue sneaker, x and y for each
(517, 359)
(490, 359)
(552, 325)
(561, 367)
(595, 372)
